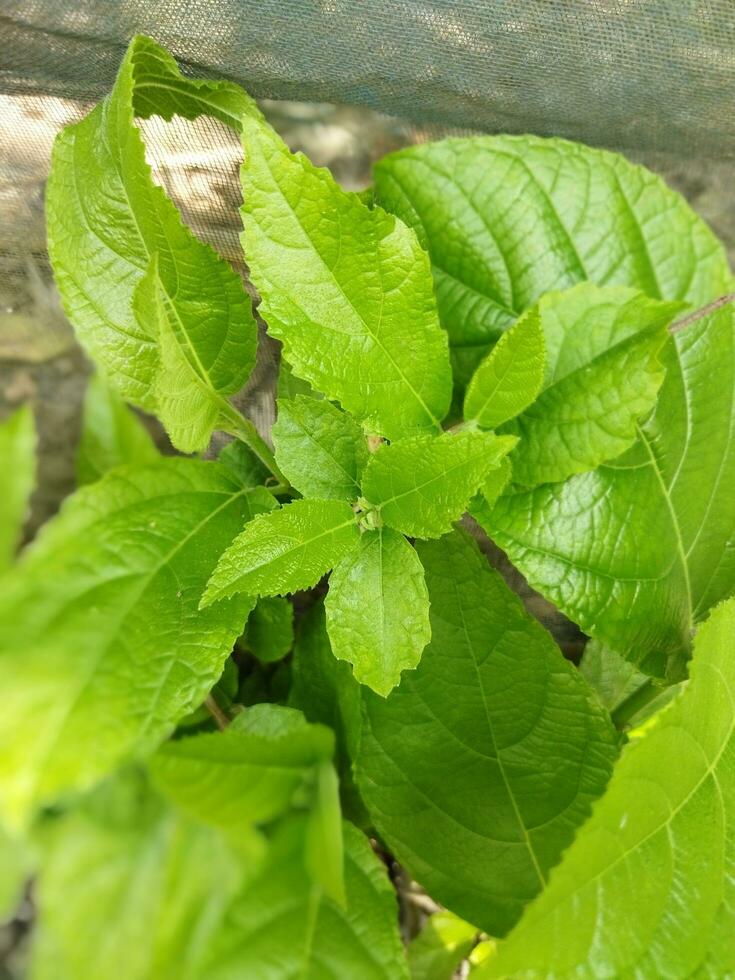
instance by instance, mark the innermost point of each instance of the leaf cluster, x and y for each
(209, 747)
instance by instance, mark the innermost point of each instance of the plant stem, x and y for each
(630, 707)
(244, 430)
(716, 304)
(216, 712)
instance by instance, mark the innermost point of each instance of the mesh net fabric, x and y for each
(651, 78)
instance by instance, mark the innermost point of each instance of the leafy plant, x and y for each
(530, 332)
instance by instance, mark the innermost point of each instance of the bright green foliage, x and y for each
(378, 609)
(667, 553)
(597, 453)
(130, 889)
(346, 288)
(602, 375)
(17, 475)
(654, 862)
(320, 449)
(102, 642)
(270, 629)
(507, 218)
(166, 317)
(511, 376)
(440, 947)
(112, 434)
(281, 927)
(287, 550)
(324, 687)
(478, 769)
(248, 774)
(421, 485)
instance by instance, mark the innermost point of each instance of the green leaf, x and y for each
(324, 687)
(421, 485)
(254, 771)
(602, 375)
(281, 926)
(243, 464)
(285, 551)
(440, 947)
(346, 289)
(102, 644)
(511, 376)
(378, 609)
(480, 766)
(270, 629)
(639, 550)
(112, 434)
(324, 857)
(507, 218)
(130, 888)
(320, 449)
(155, 307)
(647, 888)
(289, 386)
(17, 476)
(495, 483)
(267, 761)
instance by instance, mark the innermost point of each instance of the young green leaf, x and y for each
(320, 449)
(647, 888)
(511, 376)
(480, 766)
(507, 218)
(281, 925)
(378, 609)
(421, 485)
(639, 550)
(287, 550)
(102, 645)
(347, 289)
(17, 476)
(496, 481)
(112, 434)
(269, 632)
(121, 255)
(440, 947)
(602, 374)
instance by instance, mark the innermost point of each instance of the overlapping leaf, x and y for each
(479, 768)
(320, 449)
(602, 374)
(17, 475)
(159, 310)
(270, 629)
(378, 609)
(647, 887)
(421, 485)
(507, 218)
(280, 926)
(287, 550)
(102, 645)
(638, 551)
(511, 376)
(346, 288)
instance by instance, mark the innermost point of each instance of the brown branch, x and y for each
(216, 712)
(704, 311)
